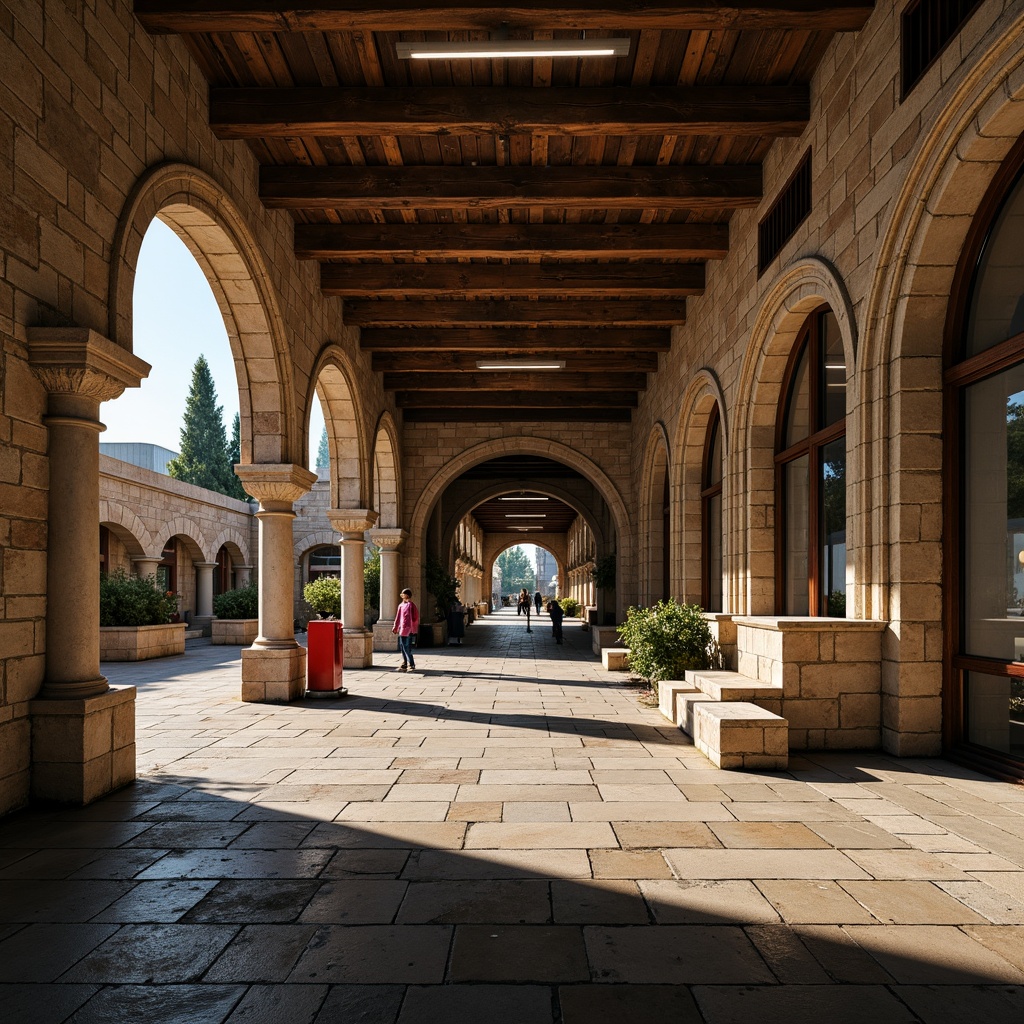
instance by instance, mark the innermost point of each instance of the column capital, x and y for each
(351, 520)
(275, 484)
(204, 565)
(388, 540)
(78, 361)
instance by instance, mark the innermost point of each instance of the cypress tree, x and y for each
(204, 445)
(235, 457)
(323, 455)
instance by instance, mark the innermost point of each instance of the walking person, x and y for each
(556, 613)
(407, 625)
(456, 623)
(538, 601)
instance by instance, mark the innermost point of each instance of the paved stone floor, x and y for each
(506, 836)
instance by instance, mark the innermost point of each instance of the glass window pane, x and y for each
(833, 528)
(993, 488)
(713, 510)
(997, 303)
(833, 377)
(796, 481)
(798, 415)
(994, 712)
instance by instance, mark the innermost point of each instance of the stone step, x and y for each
(737, 734)
(615, 659)
(732, 686)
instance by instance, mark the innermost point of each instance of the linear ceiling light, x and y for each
(549, 364)
(526, 515)
(522, 498)
(494, 49)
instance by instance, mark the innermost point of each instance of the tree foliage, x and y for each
(442, 584)
(134, 601)
(323, 454)
(235, 457)
(666, 640)
(243, 603)
(516, 571)
(371, 581)
(204, 445)
(323, 595)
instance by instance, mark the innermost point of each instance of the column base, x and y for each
(383, 639)
(273, 675)
(83, 748)
(359, 648)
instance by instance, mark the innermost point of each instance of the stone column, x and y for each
(243, 574)
(389, 541)
(274, 668)
(145, 567)
(352, 524)
(204, 589)
(83, 730)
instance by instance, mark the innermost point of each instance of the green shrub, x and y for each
(666, 640)
(442, 585)
(371, 580)
(570, 606)
(134, 601)
(603, 573)
(323, 595)
(243, 603)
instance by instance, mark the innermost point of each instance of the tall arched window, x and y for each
(985, 458)
(711, 516)
(323, 561)
(810, 468)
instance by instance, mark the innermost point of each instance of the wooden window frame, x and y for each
(959, 373)
(809, 338)
(709, 490)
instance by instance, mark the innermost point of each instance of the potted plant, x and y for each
(570, 606)
(237, 616)
(323, 595)
(444, 587)
(135, 619)
(668, 640)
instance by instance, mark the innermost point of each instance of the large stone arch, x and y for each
(199, 547)
(205, 218)
(351, 486)
(522, 445)
(314, 539)
(797, 290)
(702, 396)
(128, 528)
(237, 544)
(496, 544)
(656, 471)
(387, 475)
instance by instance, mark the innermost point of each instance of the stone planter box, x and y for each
(433, 634)
(140, 643)
(235, 632)
(603, 637)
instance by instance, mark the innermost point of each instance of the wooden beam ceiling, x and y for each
(490, 341)
(491, 281)
(521, 313)
(555, 413)
(448, 400)
(511, 241)
(185, 16)
(776, 110)
(694, 189)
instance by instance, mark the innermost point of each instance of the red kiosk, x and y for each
(325, 658)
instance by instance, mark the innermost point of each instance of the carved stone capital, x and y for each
(388, 540)
(351, 520)
(274, 485)
(78, 361)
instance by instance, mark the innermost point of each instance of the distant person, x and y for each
(538, 601)
(456, 623)
(556, 613)
(523, 602)
(407, 625)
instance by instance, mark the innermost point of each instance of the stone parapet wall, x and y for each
(140, 643)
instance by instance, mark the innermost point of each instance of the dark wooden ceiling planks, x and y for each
(509, 208)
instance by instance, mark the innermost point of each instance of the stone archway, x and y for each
(656, 535)
(349, 465)
(796, 292)
(387, 482)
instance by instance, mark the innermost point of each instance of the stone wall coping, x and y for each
(720, 617)
(115, 469)
(159, 625)
(112, 698)
(810, 623)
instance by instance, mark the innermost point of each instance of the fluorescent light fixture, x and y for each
(526, 515)
(522, 498)
(497, 48)
(525, 364)
(835, 366)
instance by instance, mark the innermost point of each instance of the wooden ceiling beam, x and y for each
(489, 341)
(553, 381)
(357, 189)
(512, 415)
(465, 362)
(493, 281)
(511, 241)
(184, 16)
(450, 400)
(579, 313)
(719, 110)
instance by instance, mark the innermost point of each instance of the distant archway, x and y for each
(350, 483)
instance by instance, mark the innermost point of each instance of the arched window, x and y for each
(985, 452)
(711, 516)
(810, 480)
(324, 561)
(222, 575)
(167, 570)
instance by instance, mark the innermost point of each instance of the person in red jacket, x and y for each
(407, 625)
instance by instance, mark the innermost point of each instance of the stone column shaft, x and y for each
(352, 524)
(243, 574)
(389, 541)
(204, 588)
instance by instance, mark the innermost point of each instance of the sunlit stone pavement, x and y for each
(507, 835)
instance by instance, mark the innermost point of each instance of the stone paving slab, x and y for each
(509, 835)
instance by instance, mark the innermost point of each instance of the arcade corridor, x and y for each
(509, 834)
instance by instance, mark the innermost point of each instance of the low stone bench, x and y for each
(737, 734)
(615, 659)
(668, 691)
(732, 686)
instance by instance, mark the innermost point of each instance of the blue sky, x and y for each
(176, 320)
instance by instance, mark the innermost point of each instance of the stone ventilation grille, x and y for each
(926, 27)
(785, 216)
